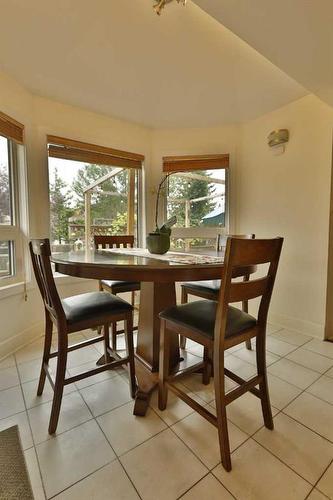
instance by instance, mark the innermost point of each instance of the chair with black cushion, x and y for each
(114, 286)
(219, 326)
(73, 314)
(209, 289)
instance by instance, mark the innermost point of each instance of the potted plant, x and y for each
(159, 240)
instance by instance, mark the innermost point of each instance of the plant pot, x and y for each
(158, 242)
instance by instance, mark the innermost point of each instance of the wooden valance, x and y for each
(68, 149)
(199, 162)
(11, 129)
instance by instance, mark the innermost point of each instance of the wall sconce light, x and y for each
(277, 140)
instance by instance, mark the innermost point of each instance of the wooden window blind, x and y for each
(11, 129)
(200, 162)
(68, 149)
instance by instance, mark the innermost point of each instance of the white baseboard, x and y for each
(306, 327)
(9, 346)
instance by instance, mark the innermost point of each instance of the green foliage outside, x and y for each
(186, 189)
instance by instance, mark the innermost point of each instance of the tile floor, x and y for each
(101, 451)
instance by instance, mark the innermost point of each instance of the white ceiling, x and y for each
(296, 35)
(183, 69)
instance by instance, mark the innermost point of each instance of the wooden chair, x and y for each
(88, 310)
(210, 289)
(114, 286)
(218, 326)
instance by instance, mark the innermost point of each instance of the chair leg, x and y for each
(164, 366)
(106, 338)
(114, 336)
(263, 386)
(207, 371)
(59, 381)
(245, 308)
(46, 353)
(133, 298)
(130, 354)
(222, 423)
(184, 300)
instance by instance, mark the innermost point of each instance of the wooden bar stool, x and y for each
(210, 289)
(114, 286)
(73, 314)
(219, 326)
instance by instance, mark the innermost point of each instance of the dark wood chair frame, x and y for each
(109, 241)
(54, 315)
(238, 253)
(186, 291)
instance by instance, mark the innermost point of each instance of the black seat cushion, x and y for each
(121, 286)
(200, 317)
(93, 305)
(208, 286)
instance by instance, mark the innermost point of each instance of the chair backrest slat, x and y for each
(40, 252)
(247, 290)
(105, 241)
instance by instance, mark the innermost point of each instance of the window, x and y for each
(198, 197)
(92, 191)
(11, 239)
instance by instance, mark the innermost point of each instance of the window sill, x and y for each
(18, 288)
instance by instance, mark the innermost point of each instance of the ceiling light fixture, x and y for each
(160, 4)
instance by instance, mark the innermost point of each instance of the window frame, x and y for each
(14, 232)
(87, 153)
(204, 232)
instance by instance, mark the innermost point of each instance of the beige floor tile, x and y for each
(271, 329)
(106, 395)
(90, 380)
(163, 467)
(72, 456)
(110, 482)
(73, 412)
(30, 393)
(294, 338)
(250, 356)
(81, 356)
(281, 393)
(304, 451)
(278, 347)
(34, 474)
(322, 388)
(8, 378)
(314, 413)
(311, 360)
(20, 419)
(293, 373)
(258, 475)
(194, 383)
(31, 370)
(7, 362)
(320, 347)
(245, 412)
(325, 485)
(240, 367)
(202, 437)
(208, 487)
(11, 402)
(30, 352)
(124, 431)
(316, 495)
(175, 410)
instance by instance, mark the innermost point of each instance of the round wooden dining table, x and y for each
(158, 278)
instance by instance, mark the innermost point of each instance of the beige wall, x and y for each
(270, 195)
(289, 195)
